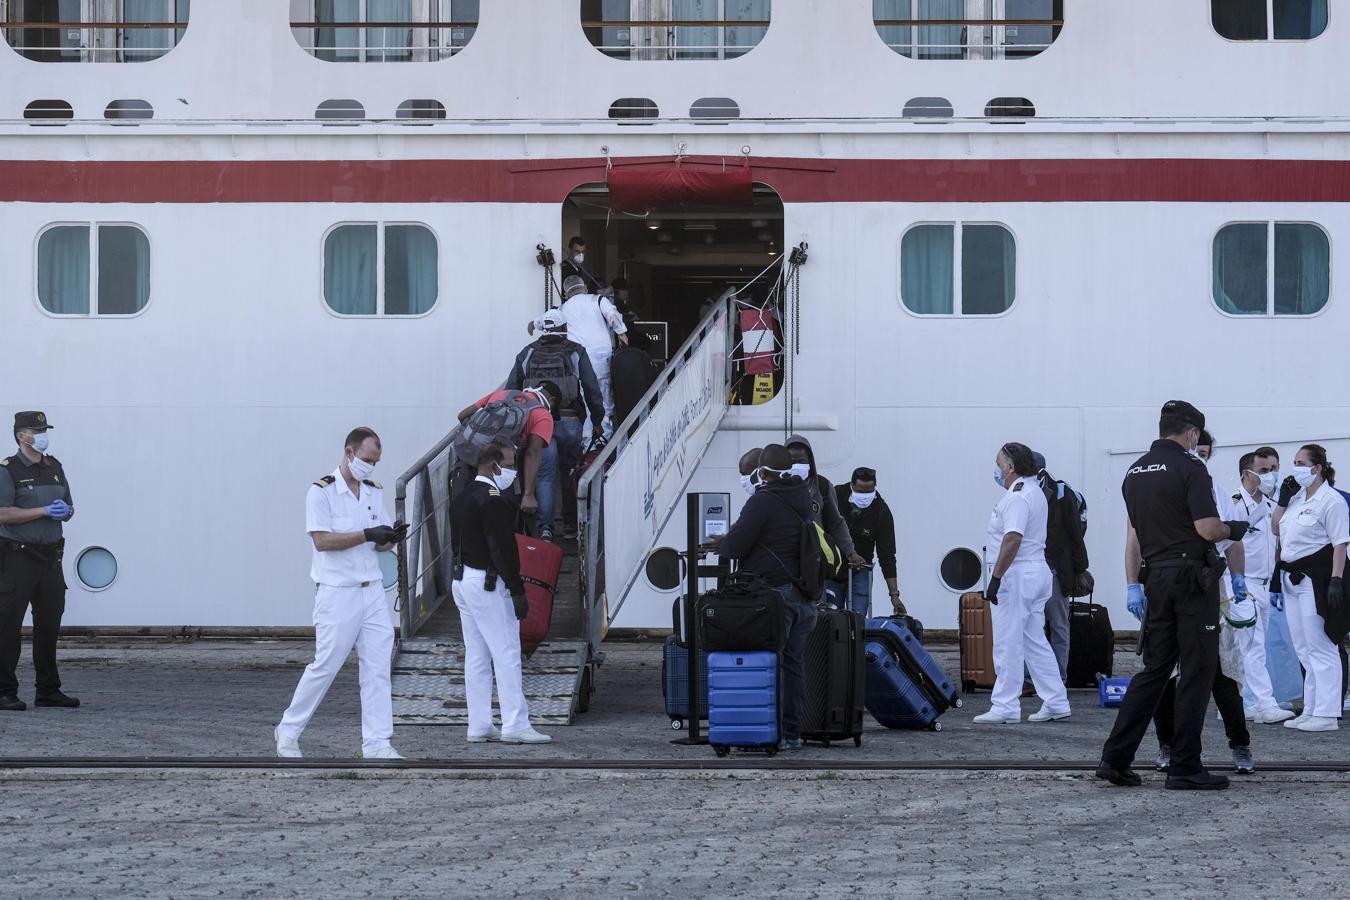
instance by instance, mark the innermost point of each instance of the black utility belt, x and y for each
(44, 552)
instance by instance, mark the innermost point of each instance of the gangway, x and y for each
(624, 499)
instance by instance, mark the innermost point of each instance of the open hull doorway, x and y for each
(670, 264)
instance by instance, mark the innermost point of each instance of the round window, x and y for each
(389, 568)
(96, 568)
(663, 569)
(961, 569)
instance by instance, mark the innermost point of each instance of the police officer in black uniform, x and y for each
(1173, 526)
(34, 501)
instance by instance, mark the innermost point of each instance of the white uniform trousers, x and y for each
(600, 363)
(346, 617)
(1321, 662)
(1251, 645)
(491, 643)
(1019, 639)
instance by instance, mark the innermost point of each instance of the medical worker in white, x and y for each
(1314, 530)
(591, 320)
(1260, 474)
(1018, 589)
(345, 517)
(490, 594)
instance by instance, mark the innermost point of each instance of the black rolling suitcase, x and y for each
(835, 678)
(1092, 643)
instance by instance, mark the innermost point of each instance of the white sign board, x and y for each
(647, 481)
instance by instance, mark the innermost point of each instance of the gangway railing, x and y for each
(630, 490)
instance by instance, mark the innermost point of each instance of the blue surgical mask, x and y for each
(41, 441)
(998, 477)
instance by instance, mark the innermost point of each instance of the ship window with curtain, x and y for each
(384, 30)
(374, 269)
(93, 270)
(1259, 20)
(1248, 280)
(968, 29)
(94, 30)
(675, 29)
(958, 268)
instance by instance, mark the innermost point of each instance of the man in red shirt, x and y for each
(537, 434)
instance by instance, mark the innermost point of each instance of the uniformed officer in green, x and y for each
(34, 501)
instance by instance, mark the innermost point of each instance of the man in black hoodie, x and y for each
(873, 529)
(824, 503)
(767, 541)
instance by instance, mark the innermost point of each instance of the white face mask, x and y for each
(801, 470)
(1304, 475)
(579, 258)
(41, 442)
(749, 484)
(862, 501)
(504, 478)
(360, 469)
(1268, 482)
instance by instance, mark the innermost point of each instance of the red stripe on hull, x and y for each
(797, 181)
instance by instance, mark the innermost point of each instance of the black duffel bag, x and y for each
(745, 614)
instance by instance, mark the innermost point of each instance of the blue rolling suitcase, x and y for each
(675, 682)
(743, 701)
(906, 688)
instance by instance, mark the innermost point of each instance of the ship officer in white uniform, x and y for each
(345, 517)
(1018, 591)
(1314, 529)
(1260, 473)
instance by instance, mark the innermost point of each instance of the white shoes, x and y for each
(1271, 715)
(1318, 723)
(528, 736)
(494, 734)
(1046, 715)
(993, 718)
(1296, 721)
(288, 745)
(385, 752)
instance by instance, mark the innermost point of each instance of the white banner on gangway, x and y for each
(647, 481)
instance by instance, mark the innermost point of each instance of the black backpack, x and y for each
(551, 359)
(821, 559)
(499, 422)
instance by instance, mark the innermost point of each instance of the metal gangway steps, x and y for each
(624, 499)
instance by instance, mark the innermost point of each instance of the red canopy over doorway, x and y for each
(640, 189)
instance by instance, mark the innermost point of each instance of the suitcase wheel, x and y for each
(967, 687)
(722, 752)
(773, 751)
(826, 743)
(857, 740)
(958, 703)
(936, 726)
(677, 724)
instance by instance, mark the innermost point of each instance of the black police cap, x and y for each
(1180, 409)
(30, 418)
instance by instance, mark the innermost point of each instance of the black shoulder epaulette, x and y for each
(325, 481)
(375, 484)
(1017, 487)
(5, 461)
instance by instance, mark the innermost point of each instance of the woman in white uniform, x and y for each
(1314, 528)
(1019, 587)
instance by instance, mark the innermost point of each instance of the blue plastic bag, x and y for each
(1111, 691)
(1286, 677)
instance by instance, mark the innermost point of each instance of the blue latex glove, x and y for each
(1239, 589)
(1135, 601)
(1277, 600)
(59, 510)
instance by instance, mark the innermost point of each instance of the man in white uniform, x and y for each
(591, 320)
(1260, 473)
(345, 517)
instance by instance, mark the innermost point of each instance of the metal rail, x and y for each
(707, 763)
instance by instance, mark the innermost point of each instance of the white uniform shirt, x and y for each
(589, 321)
(1259, 543)
(332, 507)
(1023, 510)
(1309, 525)
(1224, 505)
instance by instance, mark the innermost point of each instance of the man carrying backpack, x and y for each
(768, 539)
(553, 358)
(1066, 553)
(520, 419)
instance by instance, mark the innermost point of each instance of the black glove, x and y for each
(991, 592)
(1288, 488)
(521, 605)
(382, 534)
(1236, 530)
(1335, 595)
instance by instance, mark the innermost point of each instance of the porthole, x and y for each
(715, 108)
(389, 569)
(129, 109)
(1010, 108)
(48, 109)
(928, 108)
(96, 568)
(340, 109)
(633, 108)
(663, 570)
(960, 569)
(421, 109)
